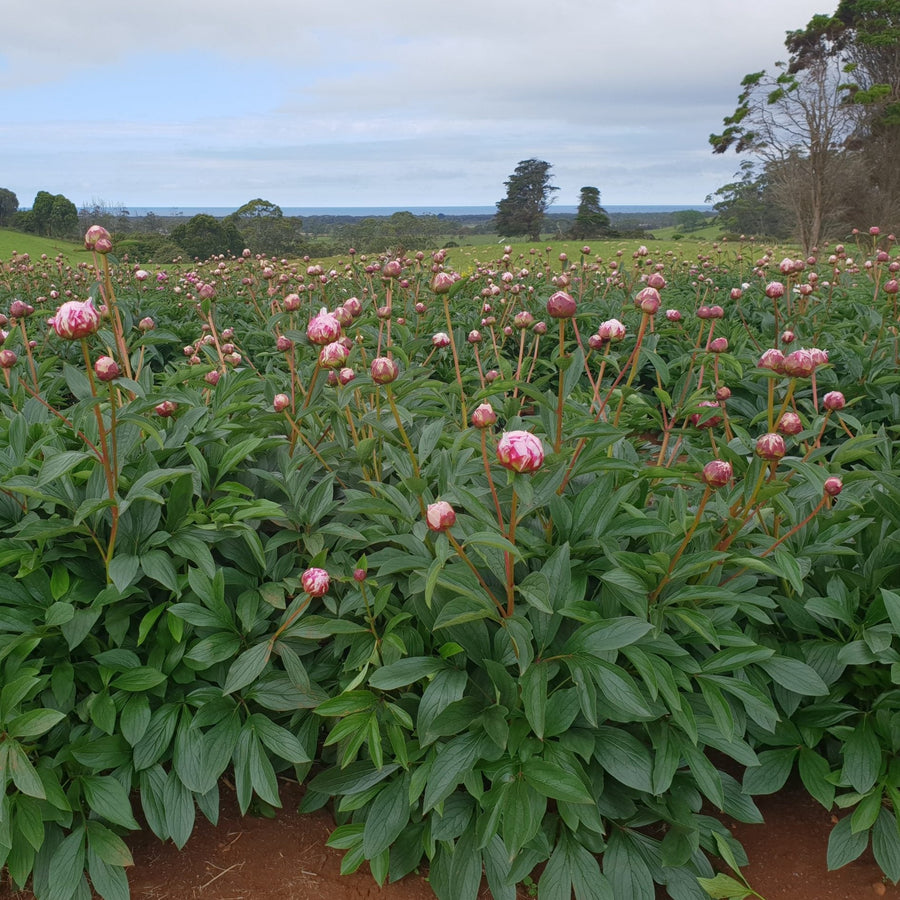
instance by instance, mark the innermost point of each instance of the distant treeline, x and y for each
(262, 227)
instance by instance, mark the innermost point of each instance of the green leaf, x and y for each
(279, 740)
(123, 570)
(56, 466)
(66, 867)
(452, 763)
(354, 778)
(795, 676)
(109, 881)
(624, 757)
(892, 605)
(554, 782)
(814, 773)
(844, 846)
(534, 697)
(180, 813)
(724, 887)
(772, 772)
(404, 672)
(862, 757)
(247, 667)
(387, 817)
(626, 869)
(142, 678)
(108, 799)
(34, 723)
(601, 637)
(108, 845)
(886, 844)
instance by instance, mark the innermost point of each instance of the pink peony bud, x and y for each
(212, 378)
(774, 290)
(19, 309)
(773, 360)
(799, 364)
(520, 451)
(141, 274)
(359, 575)
(892, 286)
(474, 337)
(291, 302)
(833, 486)
(717, 473)
(166, 408)
(93, 234)
(648, 301)
(440, 340)
(315, 582)
(346, 375)
(323, 328)
(787, 337)
(539, 328)
(442, 282)
(484, 416)
(353, 306)
(75, 320)
(673, 315)
(611, 330)
(8, 359)
(146, 324)
(718, 345)
(702, 420)
(392, 269)
(384, 370)
(284, 344)
(834, 400)
(440, 516)
(656, 280)
(333, 355)
(106, 368)
(206, 291)
(561, 306)
(716, 312)
(790, 423)
(770, 447)
(819, 357)
(736, 293)
(281, 402)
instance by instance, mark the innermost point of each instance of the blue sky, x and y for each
(345, 103)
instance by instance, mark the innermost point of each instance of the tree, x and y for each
(266, 229)
(63, 218)
(591, 219)
(203, 236)
(9, 206)
(864, 35)
(745, 206)
(528, 194)
(690, 219)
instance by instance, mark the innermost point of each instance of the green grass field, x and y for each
(12, 242)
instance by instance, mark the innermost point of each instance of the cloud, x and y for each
(347, 103)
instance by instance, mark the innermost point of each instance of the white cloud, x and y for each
(209, 102)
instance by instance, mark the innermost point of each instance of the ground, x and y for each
(254, 858)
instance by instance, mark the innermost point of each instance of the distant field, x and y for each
(16, 242)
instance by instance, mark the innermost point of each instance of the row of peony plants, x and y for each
(538, 565)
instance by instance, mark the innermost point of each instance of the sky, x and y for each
(404, 102)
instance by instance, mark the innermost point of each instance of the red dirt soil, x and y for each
(286, 859)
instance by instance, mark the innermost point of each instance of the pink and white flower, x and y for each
(440, 516)
(520, 451)
(315, 582)
(76, 319)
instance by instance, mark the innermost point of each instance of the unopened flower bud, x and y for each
(717, 473)
(442, 282)
(648, 301)
(346, 375)
(323, 328)
(333, 355)
(718, 345)
(673, 315)
(703, 420)
(833, 486)
(315, 582)
(484, 416)
(146, 324)
(790, 423)
(212, 378)
(773, 360)
(281, 402)
(8, 359)
(774, 290)
(787, 337)
(834, 400)
(723, 393)
(770, 447)
(384, 370)
(94, 234)
(284, 343)
(440, 516)
(166, 408)
(611, 330)
(106, 368)
(561, 306)
(474, 337)
(799, 364)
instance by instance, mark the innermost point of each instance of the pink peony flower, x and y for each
(315, 582)
(442, 282)
(790, 423)
(773, 360)
(281, 402)
(76, 319)
(648, 301)
(440, 516)
(774, 290)
(520, 451)
(799, 364)
(440, 340)
(94, 234)
(323, 328)
(611, 330)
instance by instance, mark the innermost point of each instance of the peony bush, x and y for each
(525, 569)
